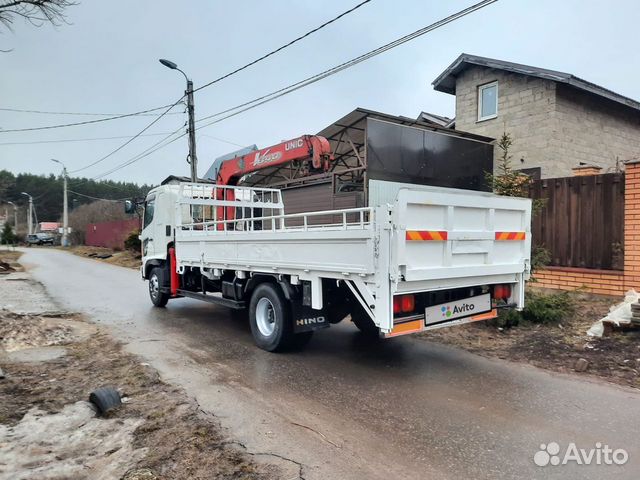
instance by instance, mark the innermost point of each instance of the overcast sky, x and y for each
(106, 61)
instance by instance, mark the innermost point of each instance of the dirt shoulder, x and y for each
(51, 361)
(556, 346)
(124, 258)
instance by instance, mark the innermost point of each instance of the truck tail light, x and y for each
(396, 305)
(404, 304)
(502, 292)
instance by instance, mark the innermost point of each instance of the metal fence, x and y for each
(581, 222)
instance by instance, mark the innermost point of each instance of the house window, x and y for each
(488, 101)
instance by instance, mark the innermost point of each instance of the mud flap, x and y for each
(306, 319)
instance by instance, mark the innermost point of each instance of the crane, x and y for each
(306, 147)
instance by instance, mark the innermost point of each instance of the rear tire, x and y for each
(158, 298)
(363, 321)
(270, 318)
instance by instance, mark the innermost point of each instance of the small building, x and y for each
(557, 121)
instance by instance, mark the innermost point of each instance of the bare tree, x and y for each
(36, 12)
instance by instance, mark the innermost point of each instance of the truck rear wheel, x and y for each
(363, 321)
(158, 298)
(270, 318)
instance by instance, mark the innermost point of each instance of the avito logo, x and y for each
(465, 307)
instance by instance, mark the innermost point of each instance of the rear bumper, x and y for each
(417, 324)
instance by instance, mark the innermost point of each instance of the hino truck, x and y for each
(415, 258)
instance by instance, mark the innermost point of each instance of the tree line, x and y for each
(47, 193)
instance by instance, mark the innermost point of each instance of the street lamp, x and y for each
(15, 216)
(29, 214)
(65, 211)
(193, 159)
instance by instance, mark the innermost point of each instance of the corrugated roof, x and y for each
(446, 81)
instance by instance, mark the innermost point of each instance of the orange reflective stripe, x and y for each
(510, 235)
(484, 316)
(406, 327)
(424, 235)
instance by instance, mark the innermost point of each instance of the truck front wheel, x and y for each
(270, 318)
(158, 298)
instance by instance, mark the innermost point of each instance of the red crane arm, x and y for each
(305, 147)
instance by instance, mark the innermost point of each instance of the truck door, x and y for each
(147, 234)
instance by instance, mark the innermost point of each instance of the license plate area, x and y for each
(466, 307)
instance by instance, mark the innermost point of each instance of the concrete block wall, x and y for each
(607, 282)
(526, 110)
(593, 130)
(553, 126)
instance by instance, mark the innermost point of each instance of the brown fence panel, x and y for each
(582, 220)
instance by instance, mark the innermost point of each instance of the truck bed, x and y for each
(414, 239)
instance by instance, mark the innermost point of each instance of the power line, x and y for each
(273, 52)
(79, 114)
(343, 66)
(308, 81)
(130, 140)
(153, 148)
(97, 198)
(68, 140)
(87, 122)
(144, 112)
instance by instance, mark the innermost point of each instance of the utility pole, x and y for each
(65, 206)
(15, 217)
(29, 214)
(193, 158)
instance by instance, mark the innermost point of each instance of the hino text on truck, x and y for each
(415, 254)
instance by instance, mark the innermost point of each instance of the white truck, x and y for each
(417, 258)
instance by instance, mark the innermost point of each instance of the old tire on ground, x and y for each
(362, 320)
(158, 298)
(105, 399)
(270, 318)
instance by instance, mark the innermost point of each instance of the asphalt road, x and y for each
(349, 408)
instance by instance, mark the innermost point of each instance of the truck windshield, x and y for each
(149, 205)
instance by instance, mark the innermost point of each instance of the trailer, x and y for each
(416, 258)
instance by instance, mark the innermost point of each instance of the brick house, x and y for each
(557, 120)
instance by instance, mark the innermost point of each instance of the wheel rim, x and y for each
(154, 286)
(265, 317)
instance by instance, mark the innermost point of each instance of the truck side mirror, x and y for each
(129, 206)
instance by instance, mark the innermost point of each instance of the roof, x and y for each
(353, 118)
(446, 81)
(173, 179)
(434, 118)
(49, 226)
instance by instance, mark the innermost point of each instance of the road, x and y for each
(349, 408)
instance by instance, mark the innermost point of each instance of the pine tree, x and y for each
(7, 237)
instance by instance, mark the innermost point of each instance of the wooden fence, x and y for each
(581, 222)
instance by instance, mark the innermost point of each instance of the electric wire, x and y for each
(97, 198)
(70, 140)
(343, 66)
(273, 52)
(238, 109)
(86, 122)
(153, 148)
(146, 112)
(79, 114)
(157, 119)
